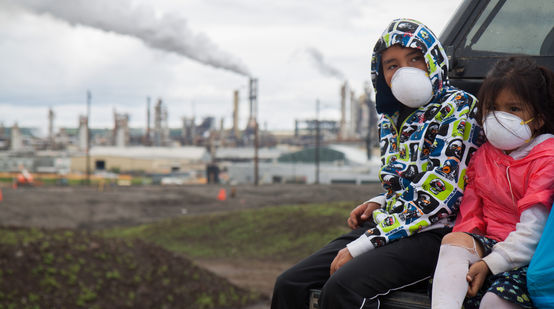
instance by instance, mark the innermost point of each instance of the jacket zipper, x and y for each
(401, 126)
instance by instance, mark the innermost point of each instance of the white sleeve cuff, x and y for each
(518, 248)
(497, 263)
(359, 246)
(379, 199)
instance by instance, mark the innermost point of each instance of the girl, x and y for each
(508, 194)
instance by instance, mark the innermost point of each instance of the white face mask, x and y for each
(411, 86)
(506, 131)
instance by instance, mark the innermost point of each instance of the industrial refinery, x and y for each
(201, 150)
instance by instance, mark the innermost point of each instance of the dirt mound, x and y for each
(75, 269)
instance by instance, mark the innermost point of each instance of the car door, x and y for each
(482, 31)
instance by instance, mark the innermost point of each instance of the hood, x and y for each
(407, 33)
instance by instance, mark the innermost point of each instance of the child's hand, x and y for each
(342, 257)
(476, 277)
(361, 213)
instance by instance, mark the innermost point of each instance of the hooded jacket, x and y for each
(425, 157)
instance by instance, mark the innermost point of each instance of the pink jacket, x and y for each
(500, 187)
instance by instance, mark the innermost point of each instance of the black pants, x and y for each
(359, 282)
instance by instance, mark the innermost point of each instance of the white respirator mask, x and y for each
(506, 131)
(411, 86)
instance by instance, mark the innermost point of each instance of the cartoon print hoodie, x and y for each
(425, 156)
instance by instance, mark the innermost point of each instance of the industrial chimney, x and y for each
(236, 114)
(253, 98)
(161, 128)
(147, 135)
(83, 132)
(121, 135)
(16, 138)
(342, 124)
(50, 128)
(354, 114)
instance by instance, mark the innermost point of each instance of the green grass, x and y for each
(278, 232)
(12, 237)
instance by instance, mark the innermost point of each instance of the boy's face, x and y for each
(396, 57)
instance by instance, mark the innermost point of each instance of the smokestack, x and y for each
(147, 140)
(158, 123)
(253, 98)
(342, 125)
(165, 127)
(189, 133)
(83, 133)
(236, 113)
(50, 128)
(353, 114)
(115, 127)
(221, 131)
(16, 139)
(121, 129)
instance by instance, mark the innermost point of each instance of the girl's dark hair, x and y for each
(531, 83)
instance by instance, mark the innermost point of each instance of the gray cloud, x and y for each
(168, 32)
(324, 67)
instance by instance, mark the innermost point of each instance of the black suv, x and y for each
(482, 31)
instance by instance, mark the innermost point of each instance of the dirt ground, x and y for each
(89, 209)
(77, 269)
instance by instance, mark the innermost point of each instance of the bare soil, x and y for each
(86, 208)
(68, 269)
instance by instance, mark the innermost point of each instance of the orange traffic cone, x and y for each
(1, 197)
(222, 195)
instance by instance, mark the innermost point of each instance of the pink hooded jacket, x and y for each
(500, 187)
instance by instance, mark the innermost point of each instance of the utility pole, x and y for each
(89, 97)
(256, 158)
(317, 141)
(253, 123)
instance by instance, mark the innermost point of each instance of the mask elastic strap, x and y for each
(526, 122)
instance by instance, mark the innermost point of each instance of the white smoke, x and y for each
(324, 67)
(168, 32)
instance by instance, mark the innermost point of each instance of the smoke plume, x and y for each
(324, 67)
(168, 32)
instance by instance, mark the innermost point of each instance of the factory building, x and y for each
(337, 164)
(159, 160)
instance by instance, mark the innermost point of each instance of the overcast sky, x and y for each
(192, 54)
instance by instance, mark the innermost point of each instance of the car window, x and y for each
(514, 27)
